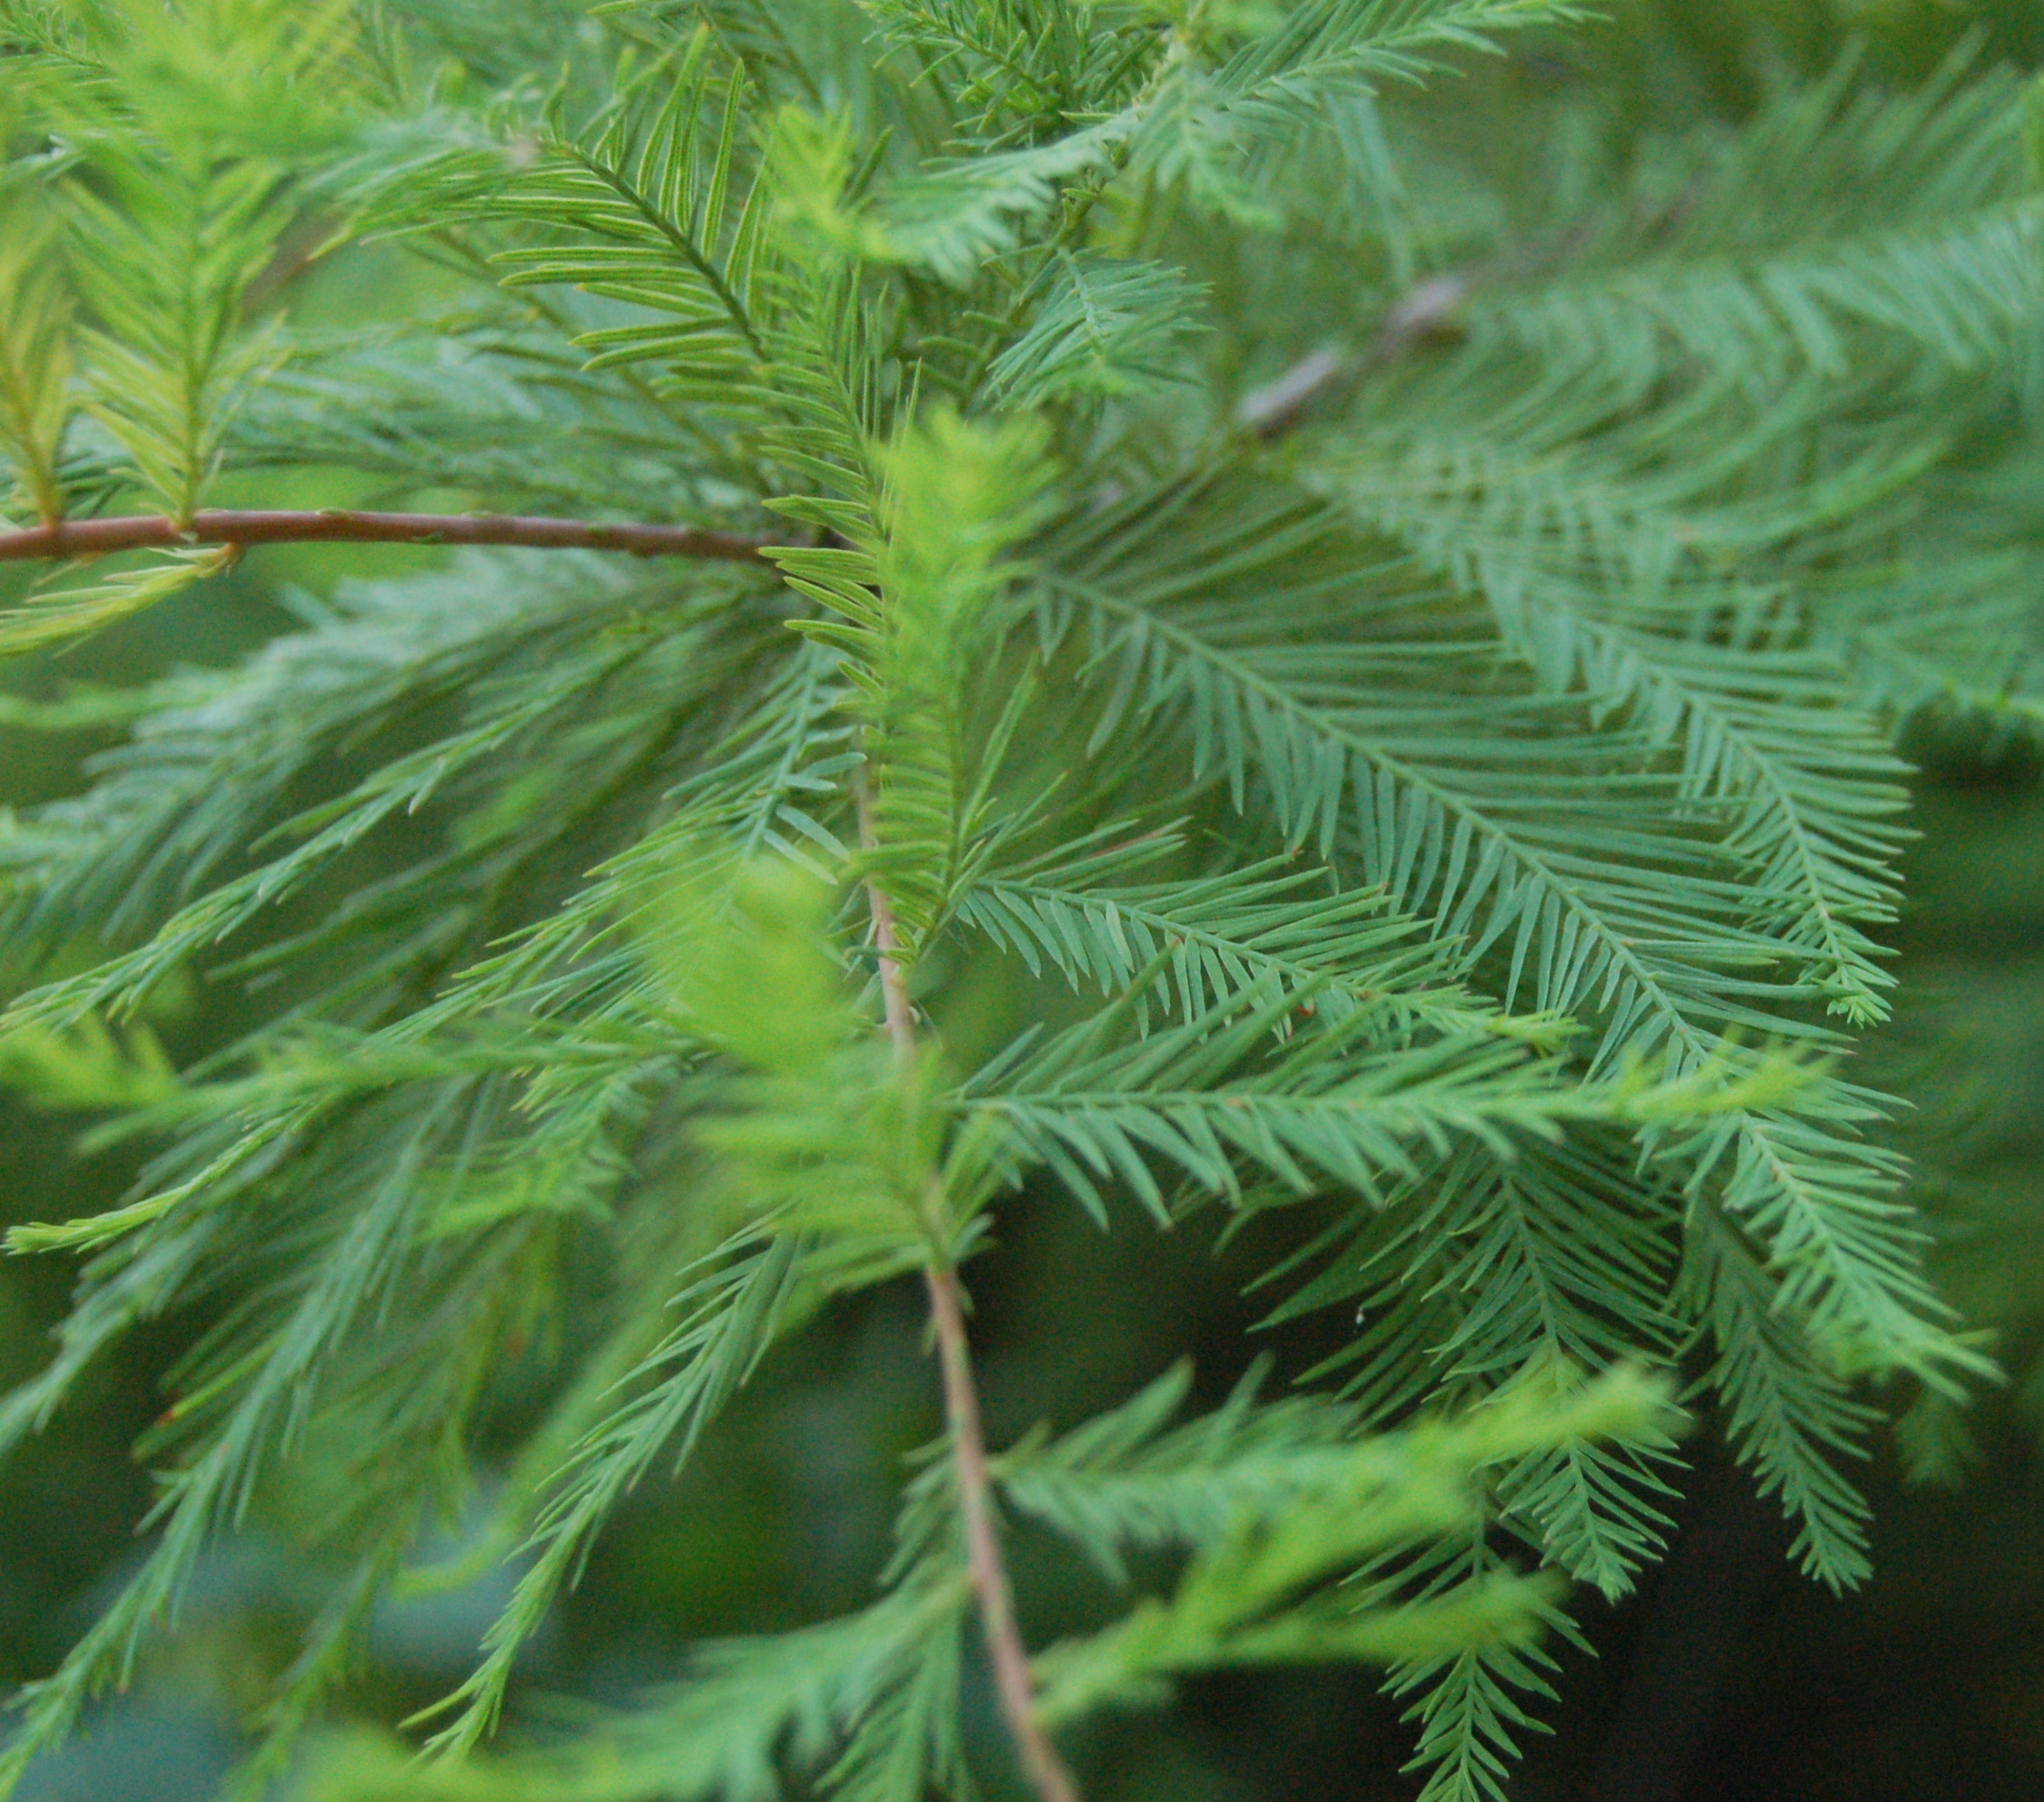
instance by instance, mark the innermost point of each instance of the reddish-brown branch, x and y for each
(985, 1567)
(337, 525)
(988, 1573)
(886, 940)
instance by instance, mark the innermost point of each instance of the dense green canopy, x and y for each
(1296, 626)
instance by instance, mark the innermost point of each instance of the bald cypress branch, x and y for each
(340, 525)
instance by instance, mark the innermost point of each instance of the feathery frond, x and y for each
(1288, 635)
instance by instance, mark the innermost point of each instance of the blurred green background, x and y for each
(1727, 1677)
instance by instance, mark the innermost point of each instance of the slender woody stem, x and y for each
(985, 1567)
(988, 1570)
(336, 526)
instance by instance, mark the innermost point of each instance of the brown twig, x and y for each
(1423, 314)
(886, 940)
(987, 1571)
(1428, 314)
(336, 526)
(984, 1567)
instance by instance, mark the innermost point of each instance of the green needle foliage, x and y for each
(1357, 573)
